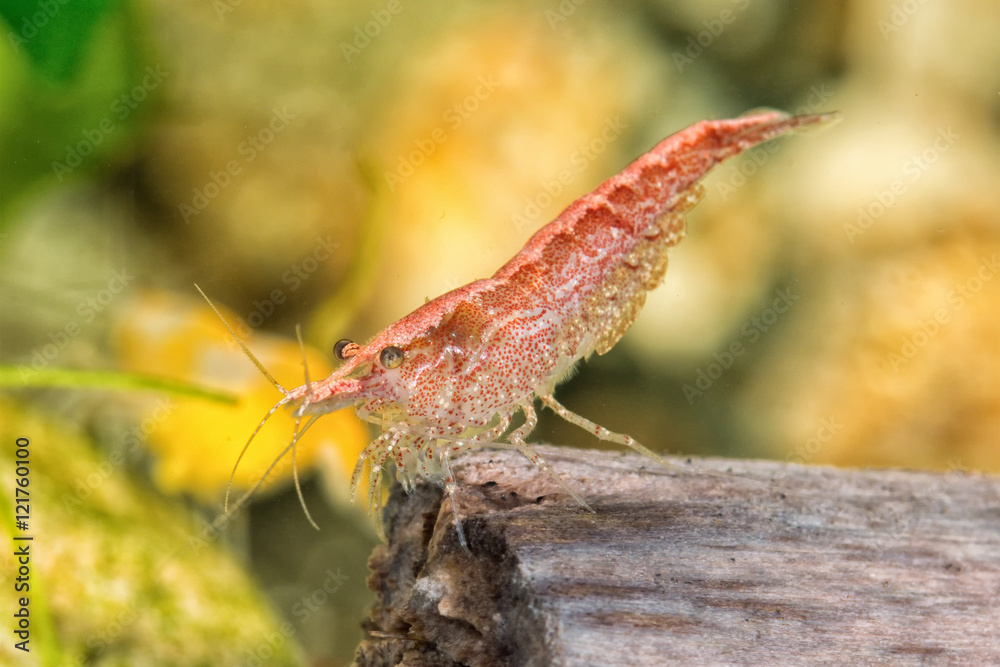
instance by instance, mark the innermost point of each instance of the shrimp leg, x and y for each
(516, 439)
(601, 432)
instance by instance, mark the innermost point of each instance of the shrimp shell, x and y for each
(454, 373)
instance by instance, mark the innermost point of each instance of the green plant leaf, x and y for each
(53, 130)
(22, 377)
(53, 34)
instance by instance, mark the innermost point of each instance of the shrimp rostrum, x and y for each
(454, 373)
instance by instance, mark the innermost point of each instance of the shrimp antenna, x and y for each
(295, 469)
(291, 446)
(305, 366)
(256, 362)
(229, 485)
(243, 346)
(298, 434)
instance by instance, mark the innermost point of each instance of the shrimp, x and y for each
(454, 373)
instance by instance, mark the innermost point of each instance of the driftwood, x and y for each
(760, 563)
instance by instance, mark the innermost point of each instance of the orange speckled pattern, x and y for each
(477, 355)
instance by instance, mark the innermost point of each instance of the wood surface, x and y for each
(712, 562)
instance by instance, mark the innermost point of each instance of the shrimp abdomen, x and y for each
(596, 261)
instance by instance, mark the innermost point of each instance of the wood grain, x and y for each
(714, 562)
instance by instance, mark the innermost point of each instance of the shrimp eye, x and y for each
(391, 357)
(345, 349)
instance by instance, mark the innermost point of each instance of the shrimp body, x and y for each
(453, 373)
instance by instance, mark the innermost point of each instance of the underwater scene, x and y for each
(320, 170)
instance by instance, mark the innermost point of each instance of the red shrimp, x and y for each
(453, 373)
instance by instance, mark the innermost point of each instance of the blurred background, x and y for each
(334, 164)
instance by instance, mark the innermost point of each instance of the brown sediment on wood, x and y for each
(774, 564)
